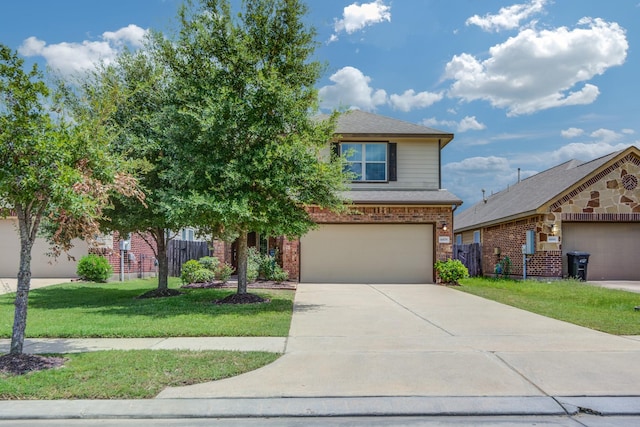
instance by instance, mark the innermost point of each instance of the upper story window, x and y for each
(368, 161)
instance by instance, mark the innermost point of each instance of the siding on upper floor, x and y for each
(417, 166)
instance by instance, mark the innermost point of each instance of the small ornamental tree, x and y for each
(52, 170)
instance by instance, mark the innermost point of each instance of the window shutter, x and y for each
(335, 150)
(392, 169)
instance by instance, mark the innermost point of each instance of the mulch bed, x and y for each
(247, 298)
(160, 293)
(260, 284)
(20, 364)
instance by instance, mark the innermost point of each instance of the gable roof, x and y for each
(357, 123)
(530, 194)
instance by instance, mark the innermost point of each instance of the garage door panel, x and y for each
(368, 253)
(613, 247)
(42, 265)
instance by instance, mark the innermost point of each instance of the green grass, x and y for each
(136, 374)
(111, 310)
(605, 310)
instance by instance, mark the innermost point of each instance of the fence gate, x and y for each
(471, 256)
(181, 251)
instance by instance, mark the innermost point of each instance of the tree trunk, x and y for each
(242, 263)
(163, 260)
(24, 284)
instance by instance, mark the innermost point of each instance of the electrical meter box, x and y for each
(529, 248)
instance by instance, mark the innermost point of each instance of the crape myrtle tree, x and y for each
(142, 108)
(245, 139)
(53, 171)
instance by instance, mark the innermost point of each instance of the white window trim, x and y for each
(364, 162)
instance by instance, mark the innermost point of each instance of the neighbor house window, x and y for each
(476, 236)
(368, 161)
(458, 239)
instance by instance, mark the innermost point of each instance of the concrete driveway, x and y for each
(429, 340)
(8, 285)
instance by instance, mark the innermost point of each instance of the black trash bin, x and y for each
(578, 262)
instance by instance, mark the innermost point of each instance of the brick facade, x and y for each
(509, 237)
(369, 214)
(140, 264)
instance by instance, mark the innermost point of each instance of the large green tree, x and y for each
(245, 139)
(139, 90)
(52, 170)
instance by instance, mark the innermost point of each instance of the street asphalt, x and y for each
(398, 350)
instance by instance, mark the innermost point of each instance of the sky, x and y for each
(523, 85)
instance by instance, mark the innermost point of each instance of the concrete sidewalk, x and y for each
(400, 350)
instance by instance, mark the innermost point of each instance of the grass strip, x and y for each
(606, 310)
(134, 374)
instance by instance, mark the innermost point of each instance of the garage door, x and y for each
(614, 249)
(367, 253)
(41, 265)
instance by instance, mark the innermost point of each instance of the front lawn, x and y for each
(77, 310)
(605, 310)
(136, 374)
(111, 310)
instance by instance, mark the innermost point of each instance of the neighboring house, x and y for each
(42, 265)
(591, 207)
(400, 220)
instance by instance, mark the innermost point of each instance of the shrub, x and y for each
(188, 272)
(223, 272)
(451, 271)
(265, 267)
(94, 268)
(209, 262)
(203, 275)
(503, 268)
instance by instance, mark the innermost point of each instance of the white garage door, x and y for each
(367, 253)
(42, 265)
(614, 249)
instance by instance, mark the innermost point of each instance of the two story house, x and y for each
(400, 220)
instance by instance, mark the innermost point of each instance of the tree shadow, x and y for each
(125, 302)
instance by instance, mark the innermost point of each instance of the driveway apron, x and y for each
(429, 340)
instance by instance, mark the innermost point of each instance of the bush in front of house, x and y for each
(264, 267)
(451, 271)
(94, 268)
(205, 269)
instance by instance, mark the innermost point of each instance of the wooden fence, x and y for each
(181, 251)
(471, 256)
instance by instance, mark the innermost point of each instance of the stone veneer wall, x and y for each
(366, 214)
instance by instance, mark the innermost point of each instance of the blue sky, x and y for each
(523, 84)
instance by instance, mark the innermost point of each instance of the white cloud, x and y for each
(628, 131)
(466, 124)
(508, 17)
(571, 132)
(358, 16)
(537, 70)
(480, 165)
(410, 100)
(606, 135)
(583, 151)
(351, 89)
(470, 123)
(69, 58)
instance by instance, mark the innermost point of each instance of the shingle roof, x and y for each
(529, 194)
(427, 197)
(362, 123)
